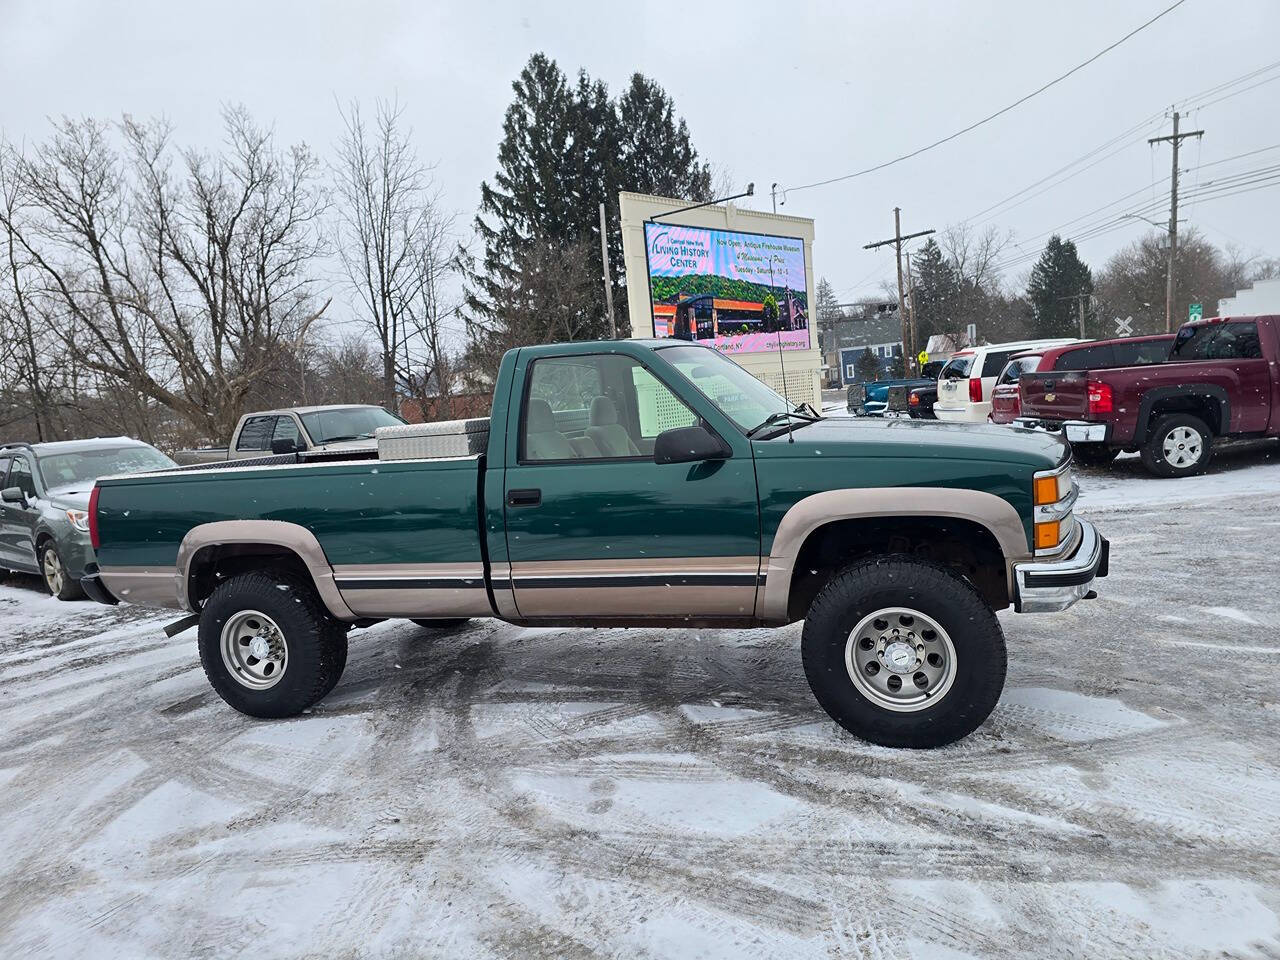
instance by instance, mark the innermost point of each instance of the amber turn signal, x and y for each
(1047, 534)
(1046, 491)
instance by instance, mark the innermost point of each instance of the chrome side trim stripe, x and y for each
(526, 582)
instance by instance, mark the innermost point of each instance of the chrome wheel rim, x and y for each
(900, 659)
(1183, 447)
(53, 573)
(254, 650)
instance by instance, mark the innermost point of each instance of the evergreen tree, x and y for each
(934, 292)
(828, 314)
(565, 149)
(867, 367)
(1057, 280)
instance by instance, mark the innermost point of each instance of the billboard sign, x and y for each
(739, 292)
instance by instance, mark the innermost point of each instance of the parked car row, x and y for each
(1168, 397)
(45, 487)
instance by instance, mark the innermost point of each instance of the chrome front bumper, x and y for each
(1046, 586)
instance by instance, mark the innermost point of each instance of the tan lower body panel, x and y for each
(671, 587)
(418, 590)
(144, 586)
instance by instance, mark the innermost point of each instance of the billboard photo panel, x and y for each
(739, 292)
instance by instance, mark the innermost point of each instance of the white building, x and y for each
(1262, 298)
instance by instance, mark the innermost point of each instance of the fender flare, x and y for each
(993, 513)
(1211, 391)
(293, 537)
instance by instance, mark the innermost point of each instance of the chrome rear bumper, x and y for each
(1046, 586)
(1077, 431)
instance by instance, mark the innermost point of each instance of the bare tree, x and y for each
(183, 288)
(388, 226)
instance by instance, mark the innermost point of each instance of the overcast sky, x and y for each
(789, 92)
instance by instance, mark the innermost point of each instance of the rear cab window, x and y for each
(1087, 358)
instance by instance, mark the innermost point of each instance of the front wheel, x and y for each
(56, 579)
(1178, 445)
(903, 653)
(268, 646)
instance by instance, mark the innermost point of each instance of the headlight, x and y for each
(79, 519)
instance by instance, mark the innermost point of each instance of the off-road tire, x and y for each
(934, 591)
(70, 589)
(449, 623)
(1093, 454)
(1153, 457)
(317, 644)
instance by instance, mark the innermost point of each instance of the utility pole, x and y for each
(897, 240)
(911, 314)
(1175, 139)
(608, 285)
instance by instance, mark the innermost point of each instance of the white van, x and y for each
(965, 383)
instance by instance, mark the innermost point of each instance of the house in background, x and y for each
(865, 325)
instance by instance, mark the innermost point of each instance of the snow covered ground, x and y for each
(507, 792)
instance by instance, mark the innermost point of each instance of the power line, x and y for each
(1003, 110)
(1142, 125)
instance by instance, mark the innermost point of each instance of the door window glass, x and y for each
(4, 471)
(1218, 341)
(286, 429)
(256, 433)
(20, 477)
(601, 407)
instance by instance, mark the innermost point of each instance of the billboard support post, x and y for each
(608, 280)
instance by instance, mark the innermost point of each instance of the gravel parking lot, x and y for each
(498, 792)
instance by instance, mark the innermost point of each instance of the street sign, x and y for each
(1124, 328)
(1195, 311)
(922, 357)
(971, 333)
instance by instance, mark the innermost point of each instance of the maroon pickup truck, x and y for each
(1222, 379)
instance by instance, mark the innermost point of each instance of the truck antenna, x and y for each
(785, 395)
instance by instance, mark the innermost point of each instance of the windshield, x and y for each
(85, 466)
(740, 396)
(347, 423)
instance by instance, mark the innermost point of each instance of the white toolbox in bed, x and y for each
(426, 441)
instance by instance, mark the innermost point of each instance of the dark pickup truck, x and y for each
(1222, 379)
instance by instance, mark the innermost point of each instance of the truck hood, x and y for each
(854, 437)
(72, 496)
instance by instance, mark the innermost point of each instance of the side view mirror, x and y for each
(13, 495)
(286, 445)
(689, 445)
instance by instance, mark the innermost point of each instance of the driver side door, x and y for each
(595, 528)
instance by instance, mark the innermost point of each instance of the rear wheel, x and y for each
(268, 646)
(56, 579)
(448, 623)
(1178, 445)
(903, 653)
(1093, 454)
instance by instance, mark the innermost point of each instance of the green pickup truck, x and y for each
(624, 483)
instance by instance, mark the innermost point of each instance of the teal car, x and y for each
(44, 496)
(620, 483)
